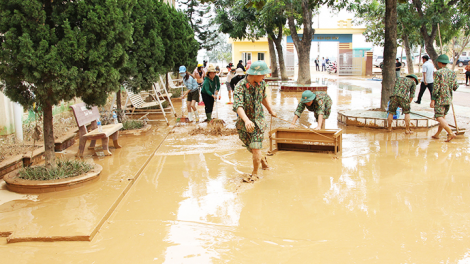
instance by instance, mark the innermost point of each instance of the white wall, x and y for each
(7, 124)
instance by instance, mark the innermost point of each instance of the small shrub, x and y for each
(165, 104)
(175, 92)
(64, 169)
(132, 124)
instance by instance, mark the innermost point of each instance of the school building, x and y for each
(351, 60)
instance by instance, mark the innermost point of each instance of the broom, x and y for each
(216, 121)
(182, 119)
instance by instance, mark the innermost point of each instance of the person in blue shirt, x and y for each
(192, 93)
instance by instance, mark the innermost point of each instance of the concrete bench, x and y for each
(85, 116)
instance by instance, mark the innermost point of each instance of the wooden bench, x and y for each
(85, 116)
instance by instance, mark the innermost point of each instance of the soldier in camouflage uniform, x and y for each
(445, 82)
(319, 103)
(249, 96)
(403, 94)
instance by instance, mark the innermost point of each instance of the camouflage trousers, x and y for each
(397, 101)
(252, 140)
(441, 110)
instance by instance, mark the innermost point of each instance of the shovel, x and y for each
(459, 132)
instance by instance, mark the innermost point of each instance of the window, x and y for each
(464, 53)
(246, 56)
(261, 56)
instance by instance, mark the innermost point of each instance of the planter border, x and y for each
(28, 186)
(65, 141)
(38, 155)
(294, 87)
(135, 131)
(10, 164)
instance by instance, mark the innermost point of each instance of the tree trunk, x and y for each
(409, 61)
(272, 55)
(419, 60)
(428, 38)
(303, 55)
(303, 44)
(48, 129)
(454, 57)
(463, 44)
(280, 54)
(429, 41)
(118, 105)
(390, 51)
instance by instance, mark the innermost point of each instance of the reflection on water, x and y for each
(354, 88)
(207, 209)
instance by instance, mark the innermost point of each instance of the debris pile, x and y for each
(214, 130)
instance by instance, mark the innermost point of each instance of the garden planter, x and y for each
(18, 185)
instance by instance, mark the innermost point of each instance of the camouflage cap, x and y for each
(258, 68)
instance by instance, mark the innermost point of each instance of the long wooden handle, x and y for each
(455, 119)
(309, 129)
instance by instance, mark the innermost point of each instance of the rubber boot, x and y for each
(209, 117)
(190, 116)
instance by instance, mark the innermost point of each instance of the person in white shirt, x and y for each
(323, 64)
(230, 89)
(428, 78)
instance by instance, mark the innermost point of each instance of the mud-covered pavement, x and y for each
(387, 198)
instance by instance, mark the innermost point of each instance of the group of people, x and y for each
(441, 84)
(249, 97)
(207, 82)
(204, 83)
(323, 63)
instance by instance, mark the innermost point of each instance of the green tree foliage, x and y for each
(273, 20)
(252, 20)
(200, 16)
(434, 14)
(238, 19)
(56, 50)
(372, 15)
(162, 41)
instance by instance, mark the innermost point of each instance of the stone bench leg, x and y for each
(104, 144)
(81, 147)
(92, 144)
(115, 140)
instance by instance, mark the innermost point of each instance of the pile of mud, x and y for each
(213, 130)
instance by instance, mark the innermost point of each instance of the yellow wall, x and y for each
(240, 46)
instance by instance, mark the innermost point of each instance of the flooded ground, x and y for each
(387, 198)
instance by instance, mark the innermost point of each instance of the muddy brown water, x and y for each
(387, 198)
